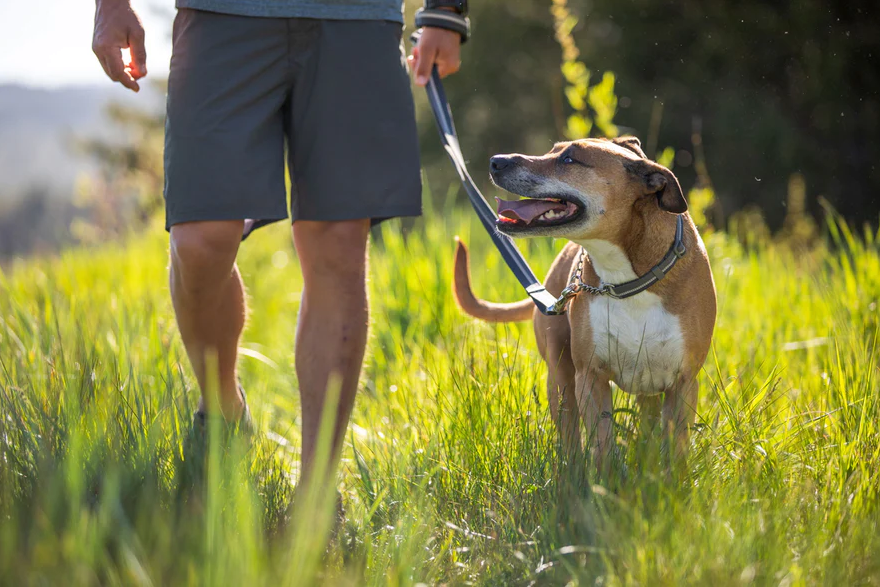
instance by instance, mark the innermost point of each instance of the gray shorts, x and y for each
(335, 93)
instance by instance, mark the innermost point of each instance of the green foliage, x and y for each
(603, 101)
(699, 201)
(780, 88)
(451, 472)
(667, 157)
(592, 106)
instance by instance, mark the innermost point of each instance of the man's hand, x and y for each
(117, 27)
(436, 46)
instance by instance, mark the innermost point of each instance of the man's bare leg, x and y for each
(331, 332)
(209, 302)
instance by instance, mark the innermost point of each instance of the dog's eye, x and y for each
(567, 159)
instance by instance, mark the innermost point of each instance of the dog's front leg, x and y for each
(561, 398)
(649, 412)
(679, 412)
(593, 392)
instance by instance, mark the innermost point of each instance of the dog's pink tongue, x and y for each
(526, 210)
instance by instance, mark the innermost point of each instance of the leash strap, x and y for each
(543, 299)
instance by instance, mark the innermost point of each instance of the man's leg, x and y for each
(331, 332)
(208, 298)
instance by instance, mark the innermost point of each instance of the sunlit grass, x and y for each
(451, 472)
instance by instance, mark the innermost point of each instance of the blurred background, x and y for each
(758, 106)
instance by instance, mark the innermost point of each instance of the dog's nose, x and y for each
(499, 163)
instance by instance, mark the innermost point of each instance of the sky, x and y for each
(48, 43)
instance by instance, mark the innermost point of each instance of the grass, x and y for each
(451, 473)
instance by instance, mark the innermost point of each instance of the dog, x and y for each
(621, 214)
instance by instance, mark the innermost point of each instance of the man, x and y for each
(327, 77)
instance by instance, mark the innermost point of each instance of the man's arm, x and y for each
(118, 27)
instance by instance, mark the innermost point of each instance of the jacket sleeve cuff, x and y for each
(444, 19)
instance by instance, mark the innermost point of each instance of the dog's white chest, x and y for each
(636, 339)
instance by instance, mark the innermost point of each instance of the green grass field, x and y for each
(451, 473)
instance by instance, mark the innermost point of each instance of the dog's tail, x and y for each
(489, 311)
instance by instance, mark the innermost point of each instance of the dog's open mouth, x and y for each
(534, 212)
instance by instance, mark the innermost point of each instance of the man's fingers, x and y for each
(424, 63)
(449, 55)
(103, 63)
(118, 28)
(138, 53)
(116, 70)
(446, 67)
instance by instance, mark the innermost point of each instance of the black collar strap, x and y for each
(655, 274)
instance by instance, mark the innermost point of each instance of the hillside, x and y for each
(39, 128)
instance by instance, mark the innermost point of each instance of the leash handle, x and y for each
(544, 300)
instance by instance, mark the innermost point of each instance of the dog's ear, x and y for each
(631, 143)
(660, 182)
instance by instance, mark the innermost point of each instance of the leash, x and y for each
(544, 300)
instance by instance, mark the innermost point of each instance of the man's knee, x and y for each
(337, 248)
(203, 253)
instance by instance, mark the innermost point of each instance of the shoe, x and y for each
(244, 425)
(191, 469)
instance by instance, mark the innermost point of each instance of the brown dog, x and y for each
(623, 210)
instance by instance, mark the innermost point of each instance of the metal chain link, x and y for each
(576, 285)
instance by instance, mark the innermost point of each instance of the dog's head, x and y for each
(582, 189)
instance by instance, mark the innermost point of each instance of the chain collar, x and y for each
(628, 289)
(576, 285)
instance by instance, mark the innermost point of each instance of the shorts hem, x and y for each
(218, 216)
(375, 216)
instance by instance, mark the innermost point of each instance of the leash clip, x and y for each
(561, 305)
(572, 290)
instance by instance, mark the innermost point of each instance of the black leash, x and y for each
(544, 300)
